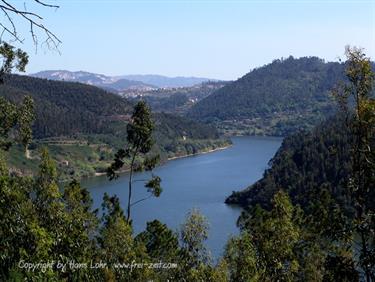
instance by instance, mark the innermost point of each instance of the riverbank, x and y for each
(83, 160)
(200, 153)
(176, 157)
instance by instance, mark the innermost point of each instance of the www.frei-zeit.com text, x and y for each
(72, 265)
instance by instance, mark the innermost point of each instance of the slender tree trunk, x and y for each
(130, 187)
(129, 193)
(130, 183)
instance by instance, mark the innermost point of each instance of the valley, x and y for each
(218, 141)
(83, 126)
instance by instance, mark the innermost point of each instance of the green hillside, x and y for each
(66, 108)
(276, 99)
(84, 125)
(306, 163)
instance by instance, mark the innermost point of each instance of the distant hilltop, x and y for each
(124, 82)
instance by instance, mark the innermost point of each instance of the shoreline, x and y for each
(104, 173)
(175, 158)
(200, 153)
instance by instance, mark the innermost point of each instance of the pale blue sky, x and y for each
(216, 39)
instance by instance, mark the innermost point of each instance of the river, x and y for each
(201, 181)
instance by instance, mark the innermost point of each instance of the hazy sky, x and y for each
(215, 39)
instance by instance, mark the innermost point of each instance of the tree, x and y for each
(240, 255)
(162, 246)
(361, 186)
(275, 235)
(140, 142)
(16, 118)
(117, 244)
(160, 241)
(16, 121)
(17, 215)
(81, 223)
(195, 260)
(194, 231)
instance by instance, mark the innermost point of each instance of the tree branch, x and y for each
(141, 200)
(32, 18)
(139, 180)
(46, 5)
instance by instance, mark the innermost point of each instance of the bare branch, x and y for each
(11, 8)
(34, 20)
(141, 200)
(5, 29)
(9, 19)
(139, 180)
(46, 5)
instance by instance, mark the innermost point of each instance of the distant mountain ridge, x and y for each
(111, 83)
(121, 83)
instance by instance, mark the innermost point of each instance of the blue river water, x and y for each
(201, 181)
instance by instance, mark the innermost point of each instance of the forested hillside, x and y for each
(305, 164)
(66, 108)
(84, 125)
(276, 99)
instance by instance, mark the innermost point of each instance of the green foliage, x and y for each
(283, 244)
(194, 231)
(240, 255)
(13, 59)
(8, 117)
(275, 235)
(161, 243)
(82, 221)
(16, 120)
(47, 195)
(153, 186)
(139, 130)
(162, 246)
(361, 185)
(117, 231)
